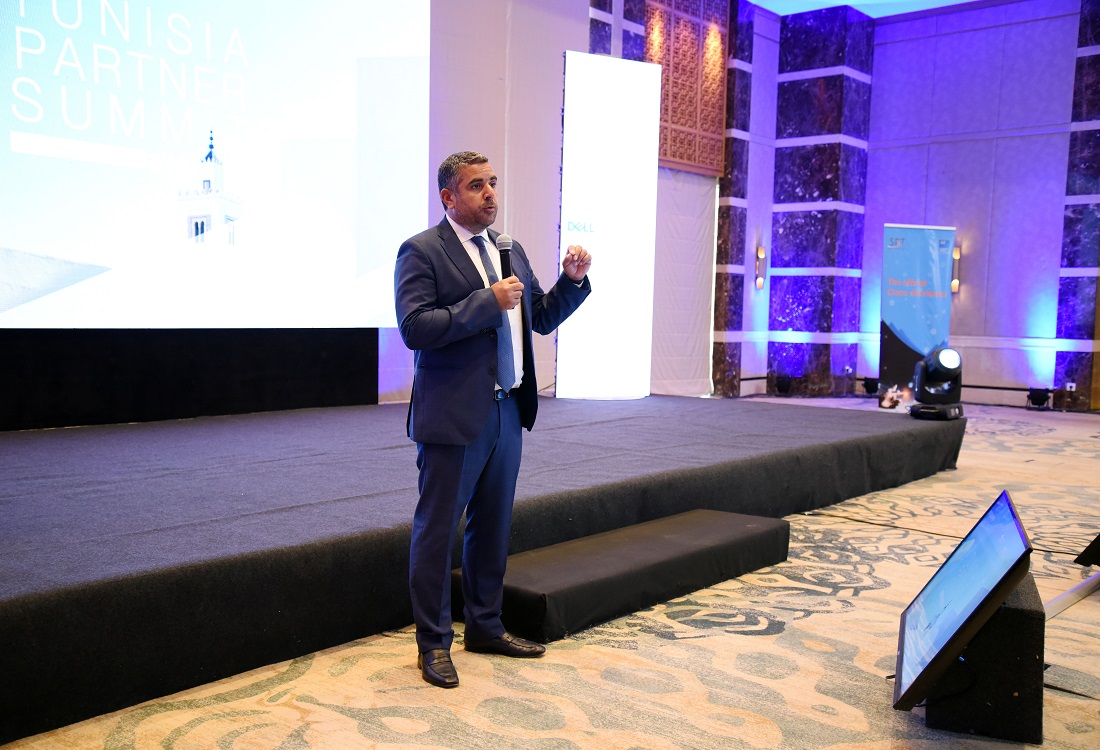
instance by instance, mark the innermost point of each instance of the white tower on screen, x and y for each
(211, 212)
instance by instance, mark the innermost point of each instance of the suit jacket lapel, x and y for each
(458, 255)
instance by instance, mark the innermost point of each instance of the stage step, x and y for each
(564, 588)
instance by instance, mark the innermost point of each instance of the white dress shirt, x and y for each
(514, 321)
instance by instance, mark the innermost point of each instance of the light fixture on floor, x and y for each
(937, 386)
(1038, 398)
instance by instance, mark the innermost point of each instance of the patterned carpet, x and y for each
(793, 656)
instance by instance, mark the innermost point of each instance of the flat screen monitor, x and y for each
(961, 596)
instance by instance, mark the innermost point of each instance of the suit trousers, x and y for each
(480, 480)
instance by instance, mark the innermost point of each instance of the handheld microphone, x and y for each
(504, 245)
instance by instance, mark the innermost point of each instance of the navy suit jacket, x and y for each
(449, 318)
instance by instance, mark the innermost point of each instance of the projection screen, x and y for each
(209, 164)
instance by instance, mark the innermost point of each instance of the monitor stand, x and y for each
(996, 688)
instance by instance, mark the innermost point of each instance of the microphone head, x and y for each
(504, 242)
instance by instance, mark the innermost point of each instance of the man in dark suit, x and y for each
(473, 391)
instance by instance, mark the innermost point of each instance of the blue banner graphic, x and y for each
(916, 297)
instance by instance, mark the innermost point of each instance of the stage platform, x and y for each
(138, 560)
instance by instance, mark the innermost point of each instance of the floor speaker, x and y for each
(995, 689)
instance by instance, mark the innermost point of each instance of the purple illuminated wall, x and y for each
(730, 272)
(601, 25)
(976, 113)
(1077, 283)
(985, 117)
(822, 124)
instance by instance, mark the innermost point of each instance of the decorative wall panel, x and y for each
(810, 369)
(1086, 89)
(1089, 30)
(833, 37)
(633, 46)
(1081, 236)
(599, 37)
(817, 239)
(728, 308)
(731, 235)
(735, 173)
(726, 364)
(1077, 313)
(820, 186)
(1077, 295)
(1083, 176)
(822, 172)
(688, 38)
(825, 105)
(730, 274)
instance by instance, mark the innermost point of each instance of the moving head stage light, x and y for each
(937, 386)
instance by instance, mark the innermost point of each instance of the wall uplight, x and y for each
(956, 254)
(761, 266)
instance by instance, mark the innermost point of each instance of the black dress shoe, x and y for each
(436, 668)
(507, 645)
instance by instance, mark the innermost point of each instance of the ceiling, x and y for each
(873, 8)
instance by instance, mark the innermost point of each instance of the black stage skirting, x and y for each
(138, 560)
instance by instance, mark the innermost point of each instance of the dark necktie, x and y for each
(506, 363)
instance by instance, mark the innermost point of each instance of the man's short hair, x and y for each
(448, 170)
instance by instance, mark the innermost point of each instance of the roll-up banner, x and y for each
(610, 141)
(916, 298)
